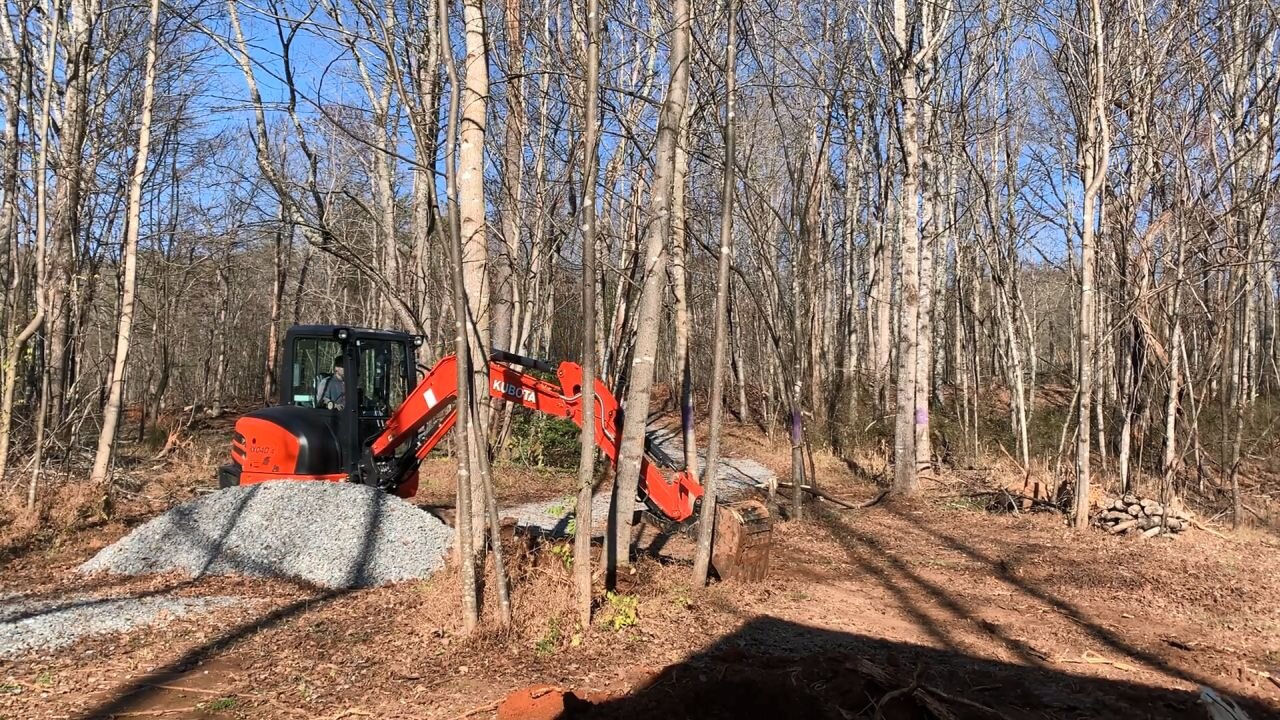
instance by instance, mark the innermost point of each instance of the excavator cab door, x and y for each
(382, 368)
(377, 367)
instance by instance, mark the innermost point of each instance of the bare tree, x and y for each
(706, 519)
(463, 430)
(905, 62)
(631, 447)
(19, 341)
(1094, 148)
(129, 256)
(587, 438)
(471, 209)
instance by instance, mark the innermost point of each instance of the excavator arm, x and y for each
(674, 495)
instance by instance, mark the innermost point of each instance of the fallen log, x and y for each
(830, 498)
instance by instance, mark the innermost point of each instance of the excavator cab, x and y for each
(338, 386)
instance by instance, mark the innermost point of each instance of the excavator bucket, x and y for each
(743, 535)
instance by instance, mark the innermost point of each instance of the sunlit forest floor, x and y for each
(947, 607)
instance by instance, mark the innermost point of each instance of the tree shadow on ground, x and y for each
(779, 669)
(772, 668)
(870, 553)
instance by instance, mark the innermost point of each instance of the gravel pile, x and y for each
(553, 516)
(27, 625)
(737, 478)
(734, 475)
(333, 535)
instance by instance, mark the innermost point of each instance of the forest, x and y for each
(1036, 241)
(930, 207)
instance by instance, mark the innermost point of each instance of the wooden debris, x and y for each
(1211, 531)
(1122, 526)
(829, 498)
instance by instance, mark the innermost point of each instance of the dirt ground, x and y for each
(937, 609)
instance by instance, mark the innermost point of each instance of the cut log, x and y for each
(1134, 510)
(1115, 515)
(1122, 526)
(1152, 532)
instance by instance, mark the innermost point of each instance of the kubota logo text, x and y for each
(514, 391)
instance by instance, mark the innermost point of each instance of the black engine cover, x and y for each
(316, 432)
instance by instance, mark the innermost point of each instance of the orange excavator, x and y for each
(349, 411)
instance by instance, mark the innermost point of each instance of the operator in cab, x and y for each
(333, 390)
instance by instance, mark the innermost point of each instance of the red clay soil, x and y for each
(540, 702)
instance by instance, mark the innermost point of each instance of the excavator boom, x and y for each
(433, 399)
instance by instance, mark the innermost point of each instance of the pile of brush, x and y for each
(1131, 513)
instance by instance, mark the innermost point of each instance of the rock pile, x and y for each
(1132, 513)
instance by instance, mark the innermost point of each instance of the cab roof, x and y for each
(356, 332)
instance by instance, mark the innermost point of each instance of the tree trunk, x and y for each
(269, 371)
(906, 479)
(587, 438)
(220, 338)
(14, 349)
(133, 217)
(475, 250)
(679, 276)
(16, 74)
(631, 450)
(508, 304)
(68, 199)
(464, 536)
(1095, 151)
(706, 518)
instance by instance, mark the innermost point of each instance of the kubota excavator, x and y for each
(349, 411)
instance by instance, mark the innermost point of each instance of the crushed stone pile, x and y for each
(332, 535)
(553, 516)
(29, 625)
(737, 478)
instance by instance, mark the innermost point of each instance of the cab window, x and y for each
(312, 365)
